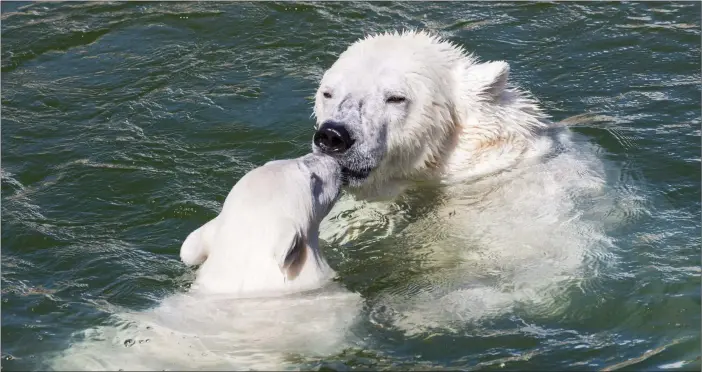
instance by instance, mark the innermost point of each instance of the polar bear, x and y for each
(263, 291)
(523, 202)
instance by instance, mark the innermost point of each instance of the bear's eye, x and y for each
(327, 95)
(395, 99)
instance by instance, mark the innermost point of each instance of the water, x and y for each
(124, 125)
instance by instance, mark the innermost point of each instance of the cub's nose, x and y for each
(332, 138)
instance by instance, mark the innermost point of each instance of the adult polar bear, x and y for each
(400, 110)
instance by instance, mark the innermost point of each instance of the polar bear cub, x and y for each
(265, 240)
(263, 244)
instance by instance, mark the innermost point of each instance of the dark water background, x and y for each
(124, 125)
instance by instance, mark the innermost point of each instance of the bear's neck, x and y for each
(497, 138)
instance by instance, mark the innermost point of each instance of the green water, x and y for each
(124, 125)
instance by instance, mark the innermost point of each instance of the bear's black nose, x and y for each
(332, 138)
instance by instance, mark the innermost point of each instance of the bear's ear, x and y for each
(294, 256)
(195, 248)
(490, 77)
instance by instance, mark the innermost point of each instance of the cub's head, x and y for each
(265, 239)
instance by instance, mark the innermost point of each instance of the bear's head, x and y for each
(386, 109)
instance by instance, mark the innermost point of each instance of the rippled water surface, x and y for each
(124, 125)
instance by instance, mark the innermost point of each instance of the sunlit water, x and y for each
(125, 125)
